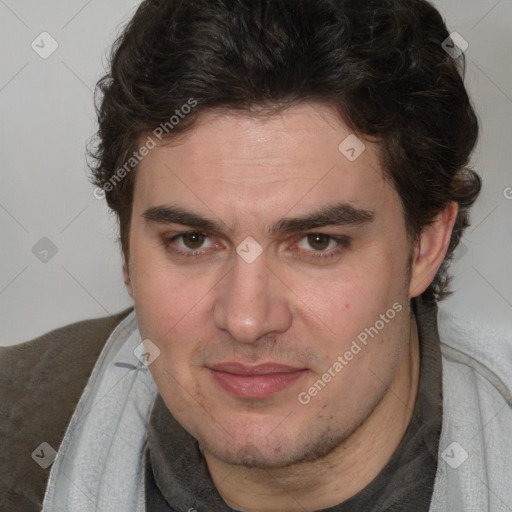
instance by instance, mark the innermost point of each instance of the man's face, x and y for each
(218, 309)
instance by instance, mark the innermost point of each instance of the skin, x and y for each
(287, 306)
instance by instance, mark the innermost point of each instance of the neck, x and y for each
(343, 472)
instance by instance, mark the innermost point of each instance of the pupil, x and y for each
(198, 238)
(314, 238)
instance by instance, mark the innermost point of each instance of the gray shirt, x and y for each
(177, 477)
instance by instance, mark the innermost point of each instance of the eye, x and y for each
(321, 241)
(192, 241)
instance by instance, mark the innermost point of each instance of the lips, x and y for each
(261, 369)
(259, 381)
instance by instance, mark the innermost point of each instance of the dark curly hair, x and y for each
(380, 63)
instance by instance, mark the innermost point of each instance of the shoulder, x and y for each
(63, 338)
(478, 349)
(73, 341)
(41, 381)
(475, 447)
(477, 405)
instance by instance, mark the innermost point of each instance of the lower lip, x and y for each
(255, 386)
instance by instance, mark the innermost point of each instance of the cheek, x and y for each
(170, 308)
(162, 295)
(354, 298)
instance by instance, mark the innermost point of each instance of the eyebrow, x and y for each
(340, 214)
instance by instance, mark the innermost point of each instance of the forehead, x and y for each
(296, 159)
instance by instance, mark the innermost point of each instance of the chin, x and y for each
(250, 455)
(282, 450)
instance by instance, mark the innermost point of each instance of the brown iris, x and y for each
(313, 239)
(197, 238)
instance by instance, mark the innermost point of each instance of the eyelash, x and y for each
(342, 241)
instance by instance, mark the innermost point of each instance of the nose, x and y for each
(252, 302)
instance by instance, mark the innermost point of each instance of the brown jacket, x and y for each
(27, 377)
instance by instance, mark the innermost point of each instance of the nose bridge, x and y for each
(251, 303)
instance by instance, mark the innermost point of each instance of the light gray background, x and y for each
(47, 115)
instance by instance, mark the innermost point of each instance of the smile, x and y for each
(255, 382)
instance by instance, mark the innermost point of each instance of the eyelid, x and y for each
(343, 242)
(168, 239)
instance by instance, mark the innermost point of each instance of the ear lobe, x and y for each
(431, 249)
(127, 280)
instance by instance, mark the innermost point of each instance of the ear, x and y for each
(127, 279)
(431, 249)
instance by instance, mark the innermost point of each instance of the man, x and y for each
(291, 181)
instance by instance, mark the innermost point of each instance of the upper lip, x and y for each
(261, 369)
